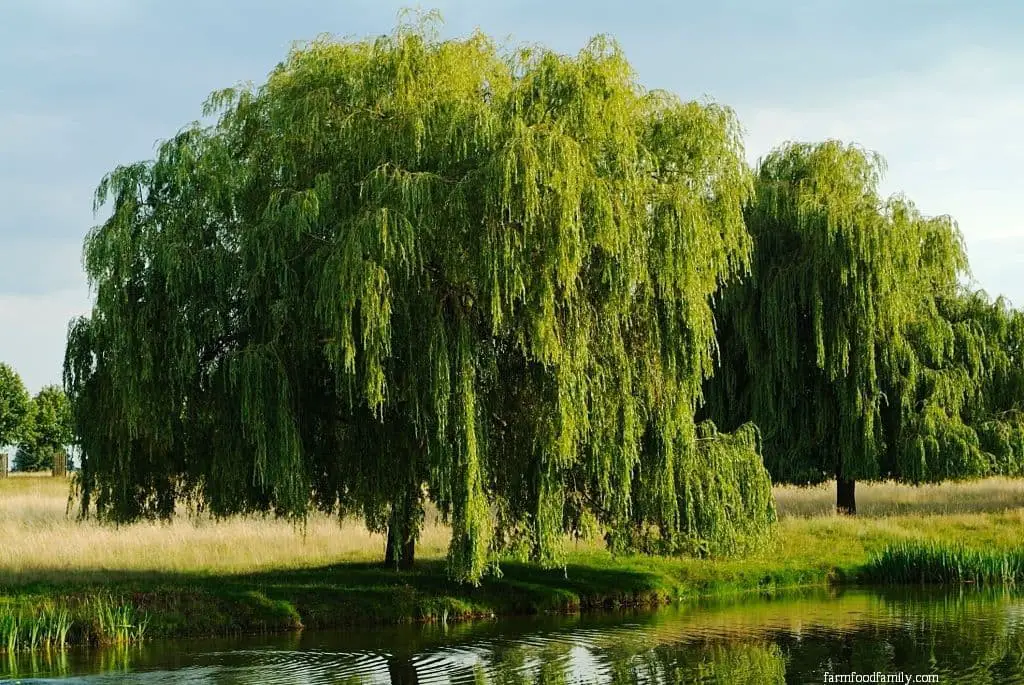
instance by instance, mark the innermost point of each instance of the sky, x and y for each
(936, 86)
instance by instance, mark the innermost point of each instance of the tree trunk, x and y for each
(403, 541)
(403, 530)
(390, 545)
(846, 501)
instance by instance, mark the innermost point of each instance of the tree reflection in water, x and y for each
(967, 637)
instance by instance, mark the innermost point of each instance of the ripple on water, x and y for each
(964, 638)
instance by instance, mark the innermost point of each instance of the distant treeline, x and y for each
(36, 427)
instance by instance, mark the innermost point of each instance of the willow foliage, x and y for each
(852, 345)
(809, 342)
(961, 393)
(406, 268)
(722, 504)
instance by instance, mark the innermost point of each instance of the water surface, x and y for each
(961, 636)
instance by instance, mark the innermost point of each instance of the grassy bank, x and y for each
(199, 577)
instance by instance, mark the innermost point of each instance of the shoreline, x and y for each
(366, 595)
(294, 601)
(251, 577)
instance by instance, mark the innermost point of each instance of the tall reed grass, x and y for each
(117, 623)
(45, 628)
(101, 620)
(947, 564)
(40, 542)
(876, 500)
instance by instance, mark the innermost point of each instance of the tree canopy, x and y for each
(408, 268)
(14, 406)
(48, 430)
(828, 344)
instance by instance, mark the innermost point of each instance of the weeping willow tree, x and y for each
(836, 339)
(409, 269)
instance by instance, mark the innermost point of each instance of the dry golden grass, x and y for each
(38, 538)
(896, 499)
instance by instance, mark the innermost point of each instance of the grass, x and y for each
(117, 622)
(896, 499)
(196, 576)
(46, 627)
(34, 623)
(945, 564)
(38, 540)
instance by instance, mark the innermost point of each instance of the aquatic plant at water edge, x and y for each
(46, 627)
(117, 623)
(919, 562)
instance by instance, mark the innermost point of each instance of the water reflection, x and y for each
(964, 637)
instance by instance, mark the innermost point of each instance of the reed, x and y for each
(944, 563)
(103, 620)
(40, 541)
(46, 627)
(56, 625)
(10, 630)
(117, 623)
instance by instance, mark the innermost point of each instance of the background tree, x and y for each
(48, 430)
(14, 406)
(822, 347)
(406, 268)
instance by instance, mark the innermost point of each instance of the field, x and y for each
(888, 499)
(198, 576)
(38, 540)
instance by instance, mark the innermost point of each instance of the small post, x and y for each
(60, 464)
(4, 467)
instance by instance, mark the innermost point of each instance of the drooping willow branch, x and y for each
(327, 297)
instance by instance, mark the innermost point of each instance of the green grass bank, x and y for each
(164, 596)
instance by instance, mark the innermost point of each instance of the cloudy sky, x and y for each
(937, 86)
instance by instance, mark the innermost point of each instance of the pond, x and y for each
(961, 636)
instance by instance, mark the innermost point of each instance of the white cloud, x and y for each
(950, 136)
(33, 331)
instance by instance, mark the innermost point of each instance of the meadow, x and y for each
(39, 540)
(197, 576)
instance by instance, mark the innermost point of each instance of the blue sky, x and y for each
(936, 86)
